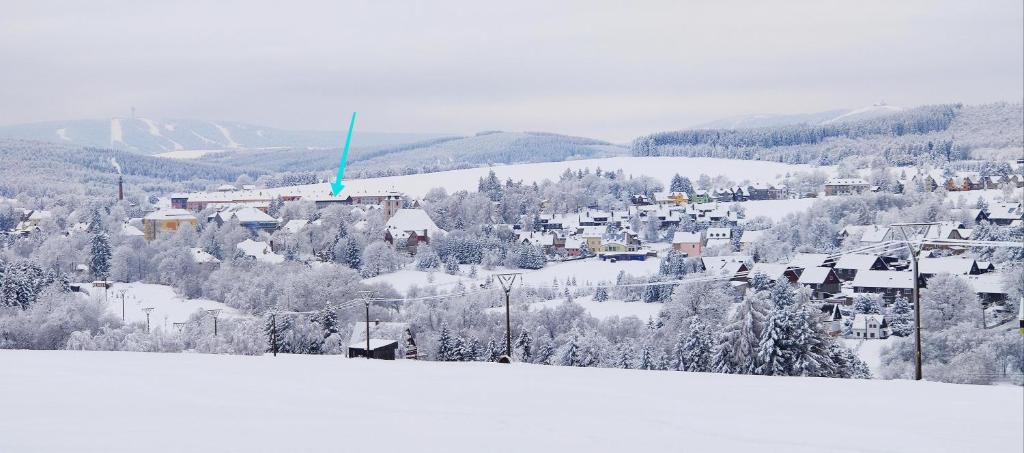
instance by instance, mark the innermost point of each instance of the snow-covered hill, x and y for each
(154, 136)
(118, 401)
(434, 154)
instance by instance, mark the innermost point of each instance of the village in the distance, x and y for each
(565, 227)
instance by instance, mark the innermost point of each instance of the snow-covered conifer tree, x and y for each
(901, 321)
(99, 256)
(699, 347)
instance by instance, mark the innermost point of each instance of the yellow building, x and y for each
(671, 198)
(166, 220)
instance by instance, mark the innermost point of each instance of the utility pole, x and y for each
(367, 295)
(147, 310)
(214, 312)
(273, 333)
(506, 281)
(916, 293)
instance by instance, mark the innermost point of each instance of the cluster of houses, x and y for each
(962, 181)
(754, 191)
(833, 282)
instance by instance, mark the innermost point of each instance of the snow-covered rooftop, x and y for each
(883, 279)
(170, 214)
(413, 220)
(814, 275)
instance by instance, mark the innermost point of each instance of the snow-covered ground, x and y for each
(168, 307)
(608, 308)
(870, 351)
(590, 270)
(660, 168)
(118, 401)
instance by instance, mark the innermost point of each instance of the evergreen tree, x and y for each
(867, 303)
(698, 348)
(739, 343)
(99, 256)
(523, 345)
(445, 345)
(472, 350)
(773, 353)
(601, 294)
(646, 359)
(275, 207)
(426, 258)
(491, 353)
(625, 358)
(352, 255)
(327, 319)
(808, 345)
(570, 355)
(451, 265)
(678, 355)
(544, 354)
(902, 319)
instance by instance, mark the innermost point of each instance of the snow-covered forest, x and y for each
(933, 134)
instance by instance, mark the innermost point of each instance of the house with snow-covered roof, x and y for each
(690, 243)
(847, 266)
(774, 271)
(956, 265)
(890, 284)
(166, 221)
(822, 281)
(802, 261)
(388, 340)
(671, 198)
(1005, 213)
(248, 217)
(259, 251)
(870, 327)
(410, 227)
(845, 186)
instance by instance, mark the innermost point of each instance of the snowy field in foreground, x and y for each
(118, 401)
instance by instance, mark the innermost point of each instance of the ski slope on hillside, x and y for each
(119, 401)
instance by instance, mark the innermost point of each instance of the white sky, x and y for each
(611, 70)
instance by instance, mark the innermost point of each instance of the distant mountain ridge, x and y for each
(816, 118)
(153, 136)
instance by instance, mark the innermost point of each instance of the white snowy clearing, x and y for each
(660, 168)
(590, 270)
(227, 135)
(168, 307)
(607, 309)
(121, 401)
(188, 153)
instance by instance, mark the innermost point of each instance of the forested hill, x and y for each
(44, 169)
(444, 153)
(937, 132)
(154, 136)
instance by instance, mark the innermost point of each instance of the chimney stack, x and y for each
(120, 188)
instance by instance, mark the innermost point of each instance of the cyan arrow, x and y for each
(336, 186)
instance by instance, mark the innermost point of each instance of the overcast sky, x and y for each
(611, 70)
